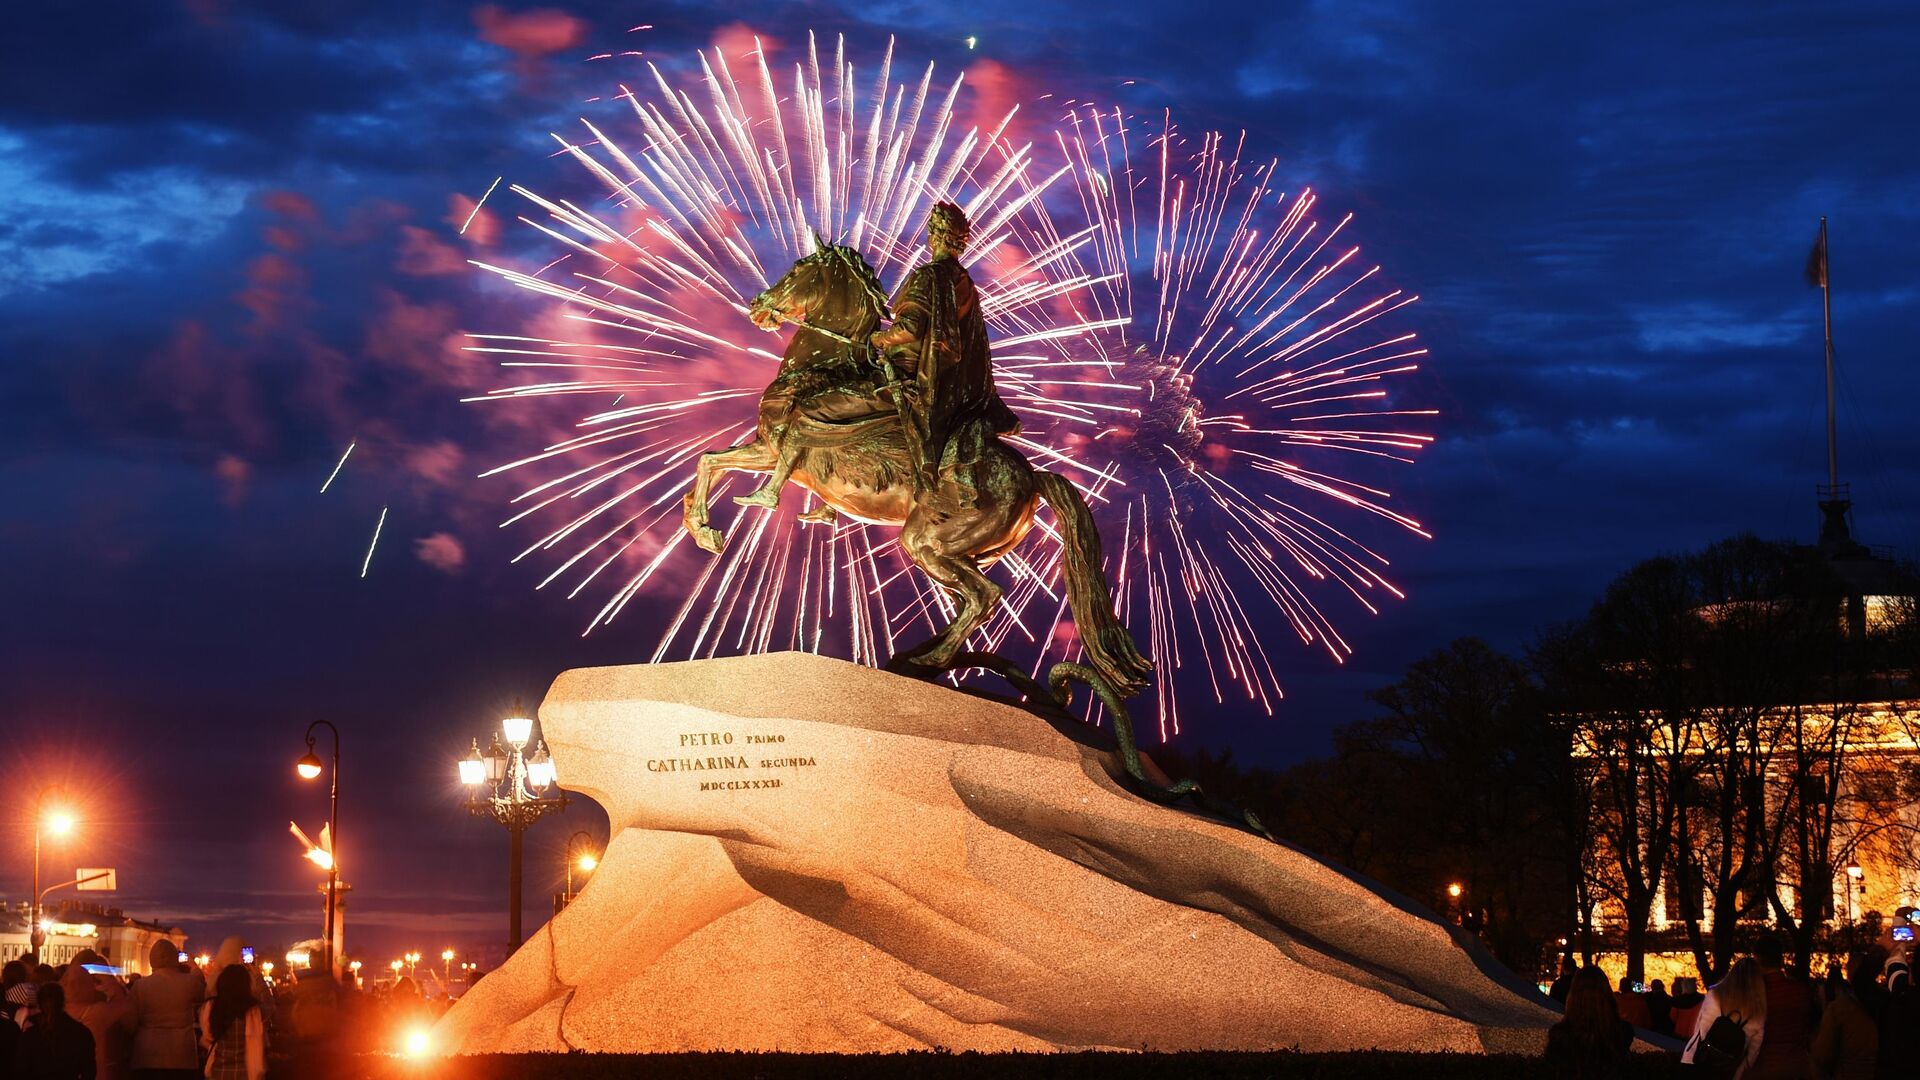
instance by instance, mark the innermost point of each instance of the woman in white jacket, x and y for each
(1742, 998)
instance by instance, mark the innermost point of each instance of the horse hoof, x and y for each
(711, 540)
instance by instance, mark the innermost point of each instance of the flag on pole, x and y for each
(1817, 259)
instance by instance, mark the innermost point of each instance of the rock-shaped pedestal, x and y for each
(809, 855)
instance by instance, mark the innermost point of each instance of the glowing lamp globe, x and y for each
(60, 823)
(496, 761)
(588, 862)
(518, 729)
(308, 766)
(446, 954)
(540, 771)
(473, 768)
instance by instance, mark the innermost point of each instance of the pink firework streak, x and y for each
(1183, 340)
(1258, 365)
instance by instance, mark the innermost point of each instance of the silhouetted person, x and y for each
(1558, 991)
(1660, 1008)
(164, 1003)
(1632, 1005)
(1591, 1041)
(1847, 1044)
(233, 1030)
(56, 1047)
(109, 1018)
(1741, 999)
(1786, 1048)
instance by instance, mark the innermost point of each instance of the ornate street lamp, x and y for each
(516, 796)
(585, 862)
(309, 767)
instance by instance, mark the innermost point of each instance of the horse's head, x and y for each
(832, 289)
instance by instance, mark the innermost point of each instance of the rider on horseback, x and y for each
(938, 346)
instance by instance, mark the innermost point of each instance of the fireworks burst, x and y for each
(1180, 338)
(1259, 360)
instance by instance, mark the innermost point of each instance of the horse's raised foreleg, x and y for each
(747, 457)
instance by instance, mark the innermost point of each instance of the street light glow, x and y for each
(446, 954)
(518, 729)
(588, 862)
(1454, 890)
(308, 766)
(540, 771)
(320, 857)
(60, 823)
(473, 768)
(417, 1043)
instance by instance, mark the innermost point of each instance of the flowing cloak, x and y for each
(939, 304)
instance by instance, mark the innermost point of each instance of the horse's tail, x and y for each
(1109, 647)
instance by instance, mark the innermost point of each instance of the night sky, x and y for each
(225, 253)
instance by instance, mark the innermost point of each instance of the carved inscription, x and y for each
(724, 752)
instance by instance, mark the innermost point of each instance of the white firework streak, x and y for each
(716, 184)
(1264, 362)
(1181, 339)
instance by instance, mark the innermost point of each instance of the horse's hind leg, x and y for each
(747, 457)
(959, 575)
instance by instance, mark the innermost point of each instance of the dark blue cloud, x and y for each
(1606, 208)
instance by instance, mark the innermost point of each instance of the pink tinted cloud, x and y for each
(291, 204)
(482, 225)
(736, 42)
(442, 551)
(436, 463)
(993, 89)
(532, 33)
(423, 254)
(234, 475)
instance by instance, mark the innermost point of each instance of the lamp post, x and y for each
(1856, 883)
(586, 862)
(309, 767)
(59, 823)
(522, 802)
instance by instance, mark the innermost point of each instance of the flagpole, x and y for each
(1826, 303)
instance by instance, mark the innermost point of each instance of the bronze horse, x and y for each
(979, 509)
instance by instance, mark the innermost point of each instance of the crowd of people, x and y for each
(84, 1021)
(1759, 1022)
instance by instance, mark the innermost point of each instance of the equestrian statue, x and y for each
(901, 426)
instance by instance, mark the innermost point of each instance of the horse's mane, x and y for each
(828, 253)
